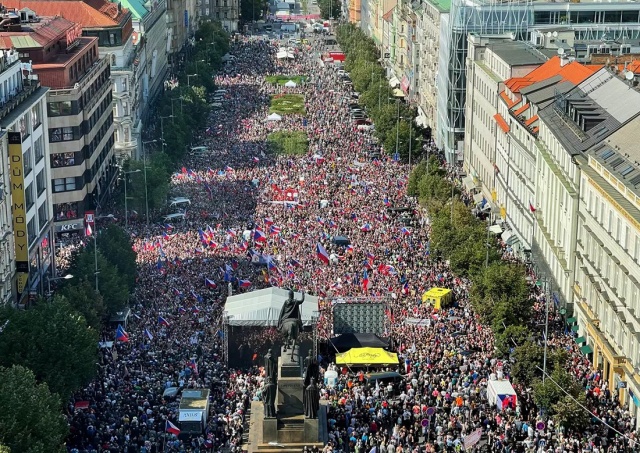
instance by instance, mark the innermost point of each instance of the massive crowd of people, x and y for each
(247, 202)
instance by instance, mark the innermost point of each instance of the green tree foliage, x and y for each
(54, 341)
(368, 77)
(528, 356)
(330, 8)
(501, 296)
(510, 338)
(561, 396)
(251, 10)
(83, 298)
(157, 183)
(115, 245)
(112, 285)
(30, 419)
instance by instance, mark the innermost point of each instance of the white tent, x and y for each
(284, 54)
(262, 307)
(291, 84)
(274, 117)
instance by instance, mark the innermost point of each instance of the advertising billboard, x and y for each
(18, 210)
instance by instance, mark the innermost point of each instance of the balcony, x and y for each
(28, 88)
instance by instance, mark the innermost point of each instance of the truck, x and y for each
(282, 6)
(193, 411)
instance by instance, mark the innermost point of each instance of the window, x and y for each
(28, 196)
(38, 149)
(61, 134)
(36, 116)
(31, 230)
(41, 184)
(23, 124)
(64, 184)
(26, 162)
(60, 108)
(43, 216)
(63, 160)
(65, 211)
(112, 39)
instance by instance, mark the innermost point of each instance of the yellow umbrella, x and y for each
(367, 356)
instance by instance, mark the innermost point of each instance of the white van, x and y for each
(179, 202)
(172, 218)
(199, 150)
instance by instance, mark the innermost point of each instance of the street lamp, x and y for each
(199, 61)
(146, 189)
(189, 78)
(126, 211)
(162, 128)
(50, 279)
(95, 244)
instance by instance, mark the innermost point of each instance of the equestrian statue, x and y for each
(290, 321)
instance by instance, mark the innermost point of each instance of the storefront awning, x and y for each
(394, 82)
(571, 320)
(397, 92)
(586, 349)
(495, 229)
(575, 328)
(468, 183)
(477, 198)
(580, 340)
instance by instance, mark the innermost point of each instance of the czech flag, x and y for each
(295, 263)
(244, 283)
(349, 248)
(121, 335)
(210, 283)
(366, 227)
(366, 283)
(148, 334)
(322, 254)
(172, 429)
(268, 220)
(255, 159)
(406, 231)
(272, 266)
(231, 233)
(259, 236)
(162, 321)
(229, 169)
(88, 231)
(274, 230)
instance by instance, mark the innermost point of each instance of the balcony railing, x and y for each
(97, 67)
(14, 100)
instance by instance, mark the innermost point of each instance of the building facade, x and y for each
(80, 114)
(227, 12)
(7, 246)
(606, 291)
(23, 117)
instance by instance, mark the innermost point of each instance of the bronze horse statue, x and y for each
(290, 321)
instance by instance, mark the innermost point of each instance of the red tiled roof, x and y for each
(507, 100)
(387, 15)
(522, 109)
(501, 123)
(573, 72)
(88, 13)
(531, 120)
(535, 130)
(47, 30)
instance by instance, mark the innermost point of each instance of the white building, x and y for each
(606, 292)
(569, 126)
(492, 60)
(23, 116)
(7, 247)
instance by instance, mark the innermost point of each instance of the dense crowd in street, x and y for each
(247, 203)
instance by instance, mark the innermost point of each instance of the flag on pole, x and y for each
(531, 207)
(162, 321)
(210, 283)
(148, 334)
(121, 335)
(322, 254)
(172, 429)
(88, 231)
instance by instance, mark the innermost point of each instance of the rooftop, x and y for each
(88, 13)
(573, 72)
(442, 5)
(36, 34)
(591, 111)
(137, 8)
(516, 53)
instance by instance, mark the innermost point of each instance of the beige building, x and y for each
(606, 292)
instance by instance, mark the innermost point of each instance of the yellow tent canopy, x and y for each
(438, 297)
(367, 356)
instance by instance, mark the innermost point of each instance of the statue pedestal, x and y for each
(290, 384)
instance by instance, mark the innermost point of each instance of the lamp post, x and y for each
(162, 128)
(197, 68)
(410, 131)
(53, 279)
(189, 78)
(95, 244)
(126, 210)
(146, 188)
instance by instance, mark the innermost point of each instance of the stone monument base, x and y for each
(283, 434)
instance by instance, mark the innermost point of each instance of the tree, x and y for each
(500, 293)
(511, 337)
(115, 245)
(82, 297)
(561, 396)
(111, 284)
(330, 8)
(398, 139)
(54, 341)
(527, 356)
(30, 420)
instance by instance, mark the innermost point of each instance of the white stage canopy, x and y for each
(262, 307)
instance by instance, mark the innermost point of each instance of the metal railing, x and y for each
(17, 98)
